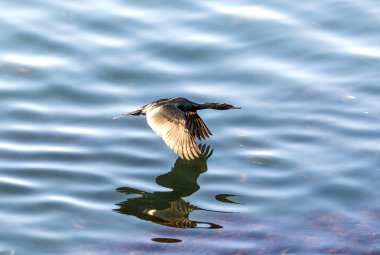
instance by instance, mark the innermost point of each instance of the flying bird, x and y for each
(176, 120)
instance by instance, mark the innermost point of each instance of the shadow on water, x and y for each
(169, 208)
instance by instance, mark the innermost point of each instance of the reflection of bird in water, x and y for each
(168, 208)
(177, 122)
(176, 215)
(182, 179)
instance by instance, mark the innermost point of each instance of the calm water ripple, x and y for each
(295, 171)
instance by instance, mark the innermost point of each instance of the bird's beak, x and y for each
(236, 107)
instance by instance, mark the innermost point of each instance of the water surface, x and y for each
(295, 171)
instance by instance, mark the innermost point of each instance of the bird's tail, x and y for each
(134, 113)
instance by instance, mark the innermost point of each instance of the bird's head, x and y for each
(228, 106)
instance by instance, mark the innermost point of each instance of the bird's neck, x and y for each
(215, 106)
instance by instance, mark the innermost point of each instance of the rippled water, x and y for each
(295, 171)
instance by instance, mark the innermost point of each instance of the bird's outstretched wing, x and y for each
(196, 126)
(169, 122)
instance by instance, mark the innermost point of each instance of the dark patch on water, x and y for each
(166, 240)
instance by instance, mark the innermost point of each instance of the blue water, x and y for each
(295, 171)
